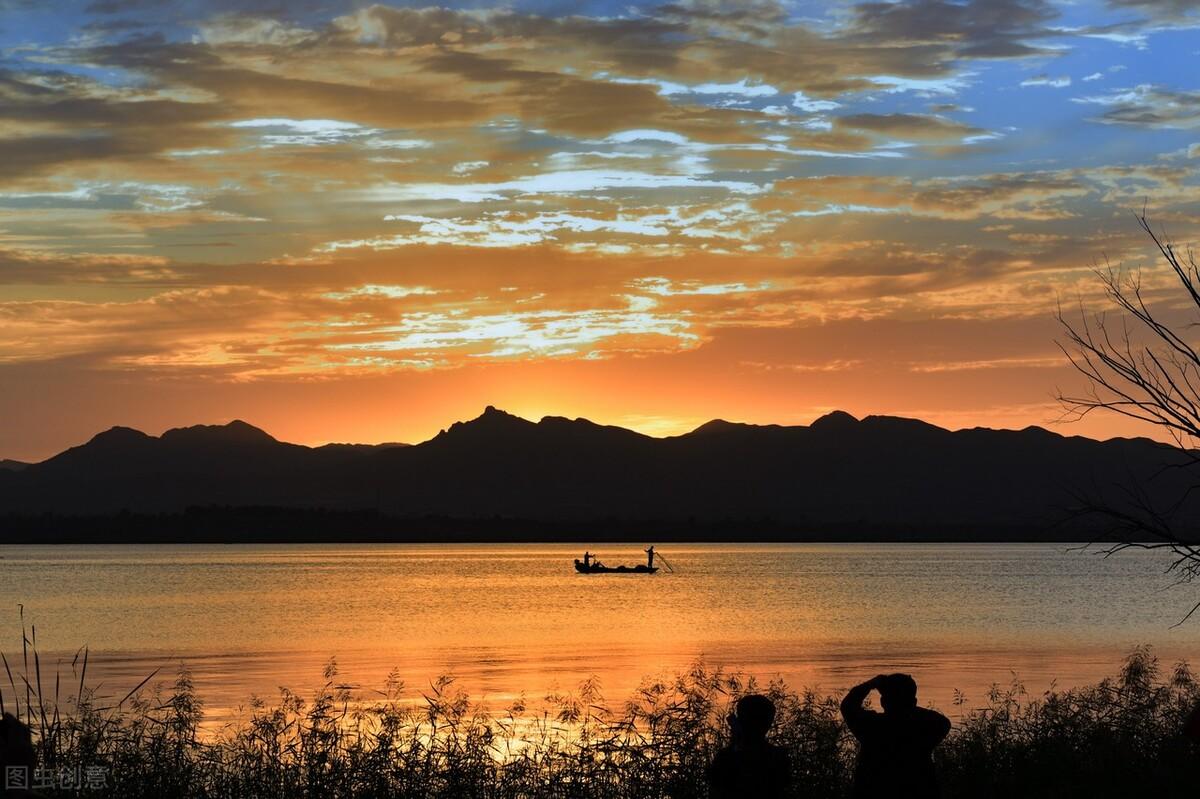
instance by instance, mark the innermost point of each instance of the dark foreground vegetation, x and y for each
(1119, 738)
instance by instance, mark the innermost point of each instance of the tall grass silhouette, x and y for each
(1118, 738)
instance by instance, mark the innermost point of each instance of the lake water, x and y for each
(507, 620)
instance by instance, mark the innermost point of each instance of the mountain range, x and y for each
(839, 477)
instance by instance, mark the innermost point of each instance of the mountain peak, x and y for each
(116, 442)
(242, 428)
(234, 432)
(901, 424)
(493, 415)
(899, 477)
(834, 420)
(118, 434)
(718, 426)
(491, 422)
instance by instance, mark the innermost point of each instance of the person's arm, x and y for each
(852, 705)
(936, 725)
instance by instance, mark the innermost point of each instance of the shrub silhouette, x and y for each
(1118, 738)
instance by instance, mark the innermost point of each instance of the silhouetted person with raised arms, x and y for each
(750, 767)
(895, 757)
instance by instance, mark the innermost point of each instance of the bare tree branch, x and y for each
(1146, 369)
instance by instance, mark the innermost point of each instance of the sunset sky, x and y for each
(355, 222)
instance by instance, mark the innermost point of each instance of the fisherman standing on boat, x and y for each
(587, 558)
(650, 558)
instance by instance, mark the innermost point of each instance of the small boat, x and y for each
(589, 565)
(600, 568)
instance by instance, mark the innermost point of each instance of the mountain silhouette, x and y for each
(838, 473)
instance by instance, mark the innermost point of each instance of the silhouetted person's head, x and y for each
(897, 692)
(755, 715)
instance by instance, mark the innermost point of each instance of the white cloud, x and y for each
(982, 137)
(741, 88)
(282, 132)
(664, 87)
(925, 87)
(837, 209)
(155, 197)
(667, 288)
(376, 290)
(195, 153)
(547, 333)
(1045, 80)
(315, 126)
(564, 182)
(736, 221)
(627, 136)
(466, 167)
(804, 103)
(238, 29)
(1138, 39)
(817, 123)
(380, 143)
(1148, 106)
(504, 230)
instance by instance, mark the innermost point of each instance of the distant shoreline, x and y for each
(269, 525)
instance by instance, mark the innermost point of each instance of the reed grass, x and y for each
(1118, 738)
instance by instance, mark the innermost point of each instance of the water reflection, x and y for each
(507, 620)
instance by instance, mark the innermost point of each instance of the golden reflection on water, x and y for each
(517, 620)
